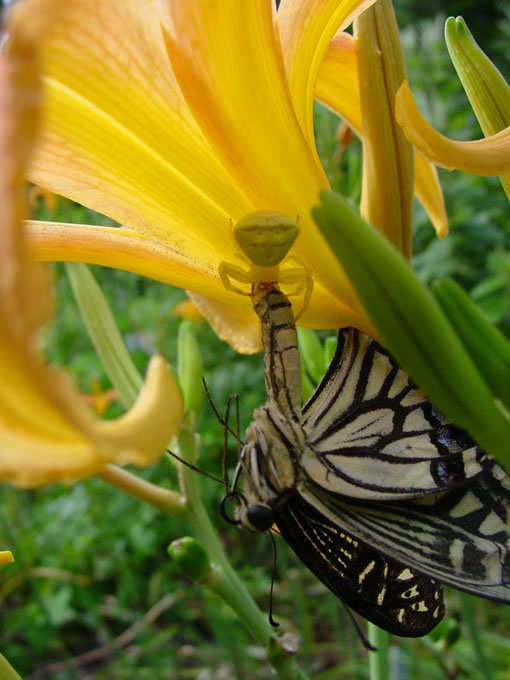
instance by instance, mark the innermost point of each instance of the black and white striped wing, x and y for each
(390, 595)
(460, 537)
(372, 435)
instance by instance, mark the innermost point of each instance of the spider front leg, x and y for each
(228, 271)
(301, 276)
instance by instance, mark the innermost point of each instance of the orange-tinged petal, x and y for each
(46, 431)
(489, 156)
(338, 88)
(116, 134)
(306, 29)
(120, 248)
(338, 81)
(388, 170)
(131, 251)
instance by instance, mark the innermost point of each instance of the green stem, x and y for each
(474, 633)
(7, 672)
(378, 661)
(165, 500)
(224, 579)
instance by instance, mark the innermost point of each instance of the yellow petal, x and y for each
(338, 88)
(430, 194)
(306, 29)
(227, 61)
(47, 433)
(116, 134)
(120, 248)
(6, 557)
(489, 156)
(239, 327)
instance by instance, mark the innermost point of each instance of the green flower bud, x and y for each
(487, 90)
(307, 387)
(485, 87)
(329, 348)
(190, 557)
(312, 355)
(190, 368)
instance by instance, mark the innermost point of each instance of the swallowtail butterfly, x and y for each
(376, 492)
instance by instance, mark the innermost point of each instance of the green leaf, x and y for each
(487, 347)
(412, 325)
(104, 333)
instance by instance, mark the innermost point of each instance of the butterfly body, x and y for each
(376, 492)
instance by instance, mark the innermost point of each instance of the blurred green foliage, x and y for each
(92, 592)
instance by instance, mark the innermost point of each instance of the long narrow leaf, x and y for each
(412, 325)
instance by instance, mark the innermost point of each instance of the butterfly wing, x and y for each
(390, 595)
(372, 435)
(460, 537)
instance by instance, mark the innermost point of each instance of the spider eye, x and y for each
(260, 517)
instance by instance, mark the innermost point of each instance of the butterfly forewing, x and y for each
(374, 436)
(390, 595)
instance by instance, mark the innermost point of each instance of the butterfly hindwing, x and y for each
(390, 595)
(460, 537)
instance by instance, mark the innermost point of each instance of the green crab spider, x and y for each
(265, 237)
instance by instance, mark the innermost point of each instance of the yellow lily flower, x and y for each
(47, 433)
(173, 121)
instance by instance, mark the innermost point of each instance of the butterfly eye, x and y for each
(260, 517)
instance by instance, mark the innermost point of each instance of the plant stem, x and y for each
(378, 660)
(165, 500)
(7, 672)
(224, 579)
(474, 633)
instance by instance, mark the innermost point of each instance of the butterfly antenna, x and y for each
(216, 412)
(225, 442)
(194, 467)
(274, 623)
(363, 638)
